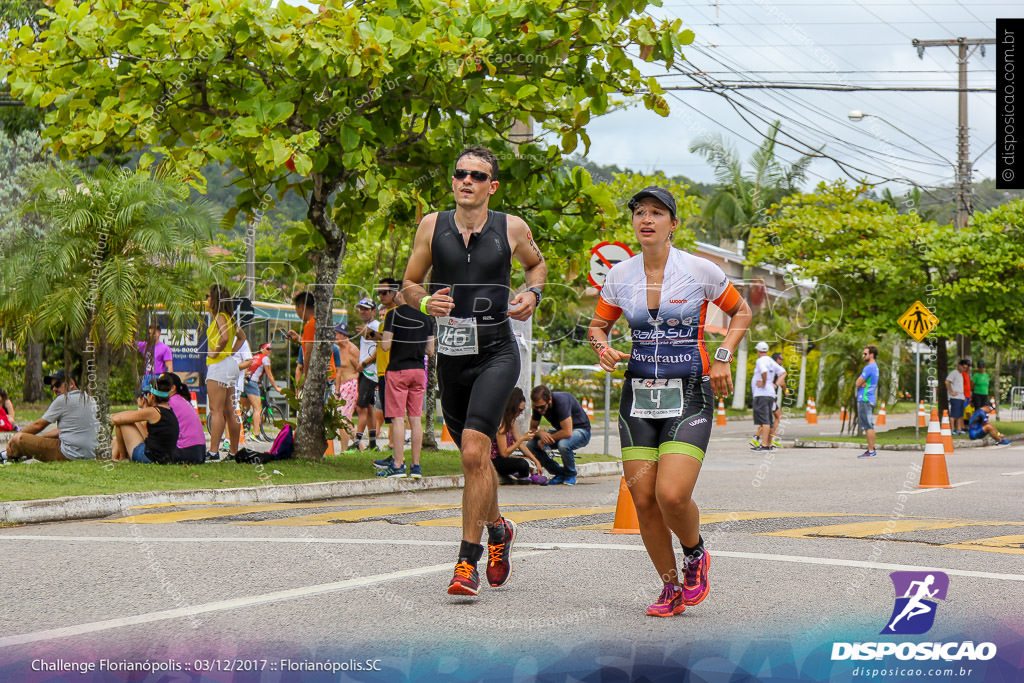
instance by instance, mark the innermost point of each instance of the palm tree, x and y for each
(121, 243)
(742, 199)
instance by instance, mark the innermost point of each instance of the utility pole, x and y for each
(963, 167)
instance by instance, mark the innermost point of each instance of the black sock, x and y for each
(470, 552)
(496, 532)
(691, 552)
(373, 438)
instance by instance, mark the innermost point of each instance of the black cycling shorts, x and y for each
(475, 389)
(644, 438)
(366, 392)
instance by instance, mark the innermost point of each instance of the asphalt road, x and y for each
(800, 558)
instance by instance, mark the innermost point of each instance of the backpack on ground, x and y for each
(282, 449)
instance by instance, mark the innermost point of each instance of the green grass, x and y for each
(54, 480)
(904, 435)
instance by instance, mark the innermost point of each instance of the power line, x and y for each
(833, 88)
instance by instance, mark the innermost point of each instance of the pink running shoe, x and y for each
(695, 578)
(669, 603)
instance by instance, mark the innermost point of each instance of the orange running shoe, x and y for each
(499, 552)
(466, 580)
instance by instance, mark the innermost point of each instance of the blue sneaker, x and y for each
(1004, 442)
(385, 464)
(396, 471)
(415, 473)
(868, 454)
(569, 481)
(559, 479)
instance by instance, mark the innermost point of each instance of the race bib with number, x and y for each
(456, 336)
(657, 398)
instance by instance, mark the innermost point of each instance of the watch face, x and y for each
(722, 355)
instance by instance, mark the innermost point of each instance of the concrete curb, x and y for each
(957, 444)
(91, 507)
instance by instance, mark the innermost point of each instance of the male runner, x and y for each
(470, 251)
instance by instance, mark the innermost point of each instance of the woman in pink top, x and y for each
(507, 441)
(191, 437)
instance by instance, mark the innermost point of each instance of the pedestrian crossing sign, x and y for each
(918, 321)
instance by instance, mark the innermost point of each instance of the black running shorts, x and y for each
(367, 392)
(475, 389)
(648, 439)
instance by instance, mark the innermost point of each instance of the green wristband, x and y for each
(423, 304)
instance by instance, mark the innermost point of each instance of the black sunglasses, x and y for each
(478, 176)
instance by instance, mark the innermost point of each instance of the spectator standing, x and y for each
(348, 376)
(408, 335)
(957, 399)
(762, 386)
(779, 386)
(191, 445)
(968, 387)
(571, 432)
(390, 298)
(150, 434)
(243, 356)
(305, 308)
(259, 369)
(74, 413)
(367, 384)
(981, 380)
(867, 393)
(156, 356)
(224, 339)
(507, 442)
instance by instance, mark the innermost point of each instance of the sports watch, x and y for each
(723, 354)
(537, 292)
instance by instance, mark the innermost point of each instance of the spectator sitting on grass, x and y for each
(74, 413)
(151, 434)
(980, 426)
(6, 413)
(508, 441)
(191, 446)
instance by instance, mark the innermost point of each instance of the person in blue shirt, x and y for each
(979, 426)
(867, 391)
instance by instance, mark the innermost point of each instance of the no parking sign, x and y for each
(602, 257)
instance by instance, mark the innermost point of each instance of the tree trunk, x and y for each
(310, 439)
(32, 390)
(429, 435)
(894, 373)
(942, 368)
(98, 381)
(819, 385)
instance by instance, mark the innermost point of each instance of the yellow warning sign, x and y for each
(918, 321)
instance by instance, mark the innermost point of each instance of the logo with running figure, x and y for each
(916, 592)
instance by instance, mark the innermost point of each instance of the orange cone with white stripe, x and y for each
(812, 412)
(880, 420)
(588, 406)
(947, 434)
(920, 415)
(720, 421)
(842, 413)
(626, 521)
(933, 471)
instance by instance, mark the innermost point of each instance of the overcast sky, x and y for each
(825, 42)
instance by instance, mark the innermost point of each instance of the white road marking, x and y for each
(952, 486)
(1012, 474)
(221, 605)
(537, 547)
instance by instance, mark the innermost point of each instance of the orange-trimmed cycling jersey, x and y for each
(667, 343)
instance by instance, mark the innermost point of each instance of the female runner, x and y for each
(668, 399)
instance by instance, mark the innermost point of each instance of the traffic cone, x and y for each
(920, 415)
(947, 434)
(626, 521)
(933, 471)
(812, 412)
(721, 413)
(330, 447)
(842, 414)
(446, 437)
(588, 405)
(880, 420)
